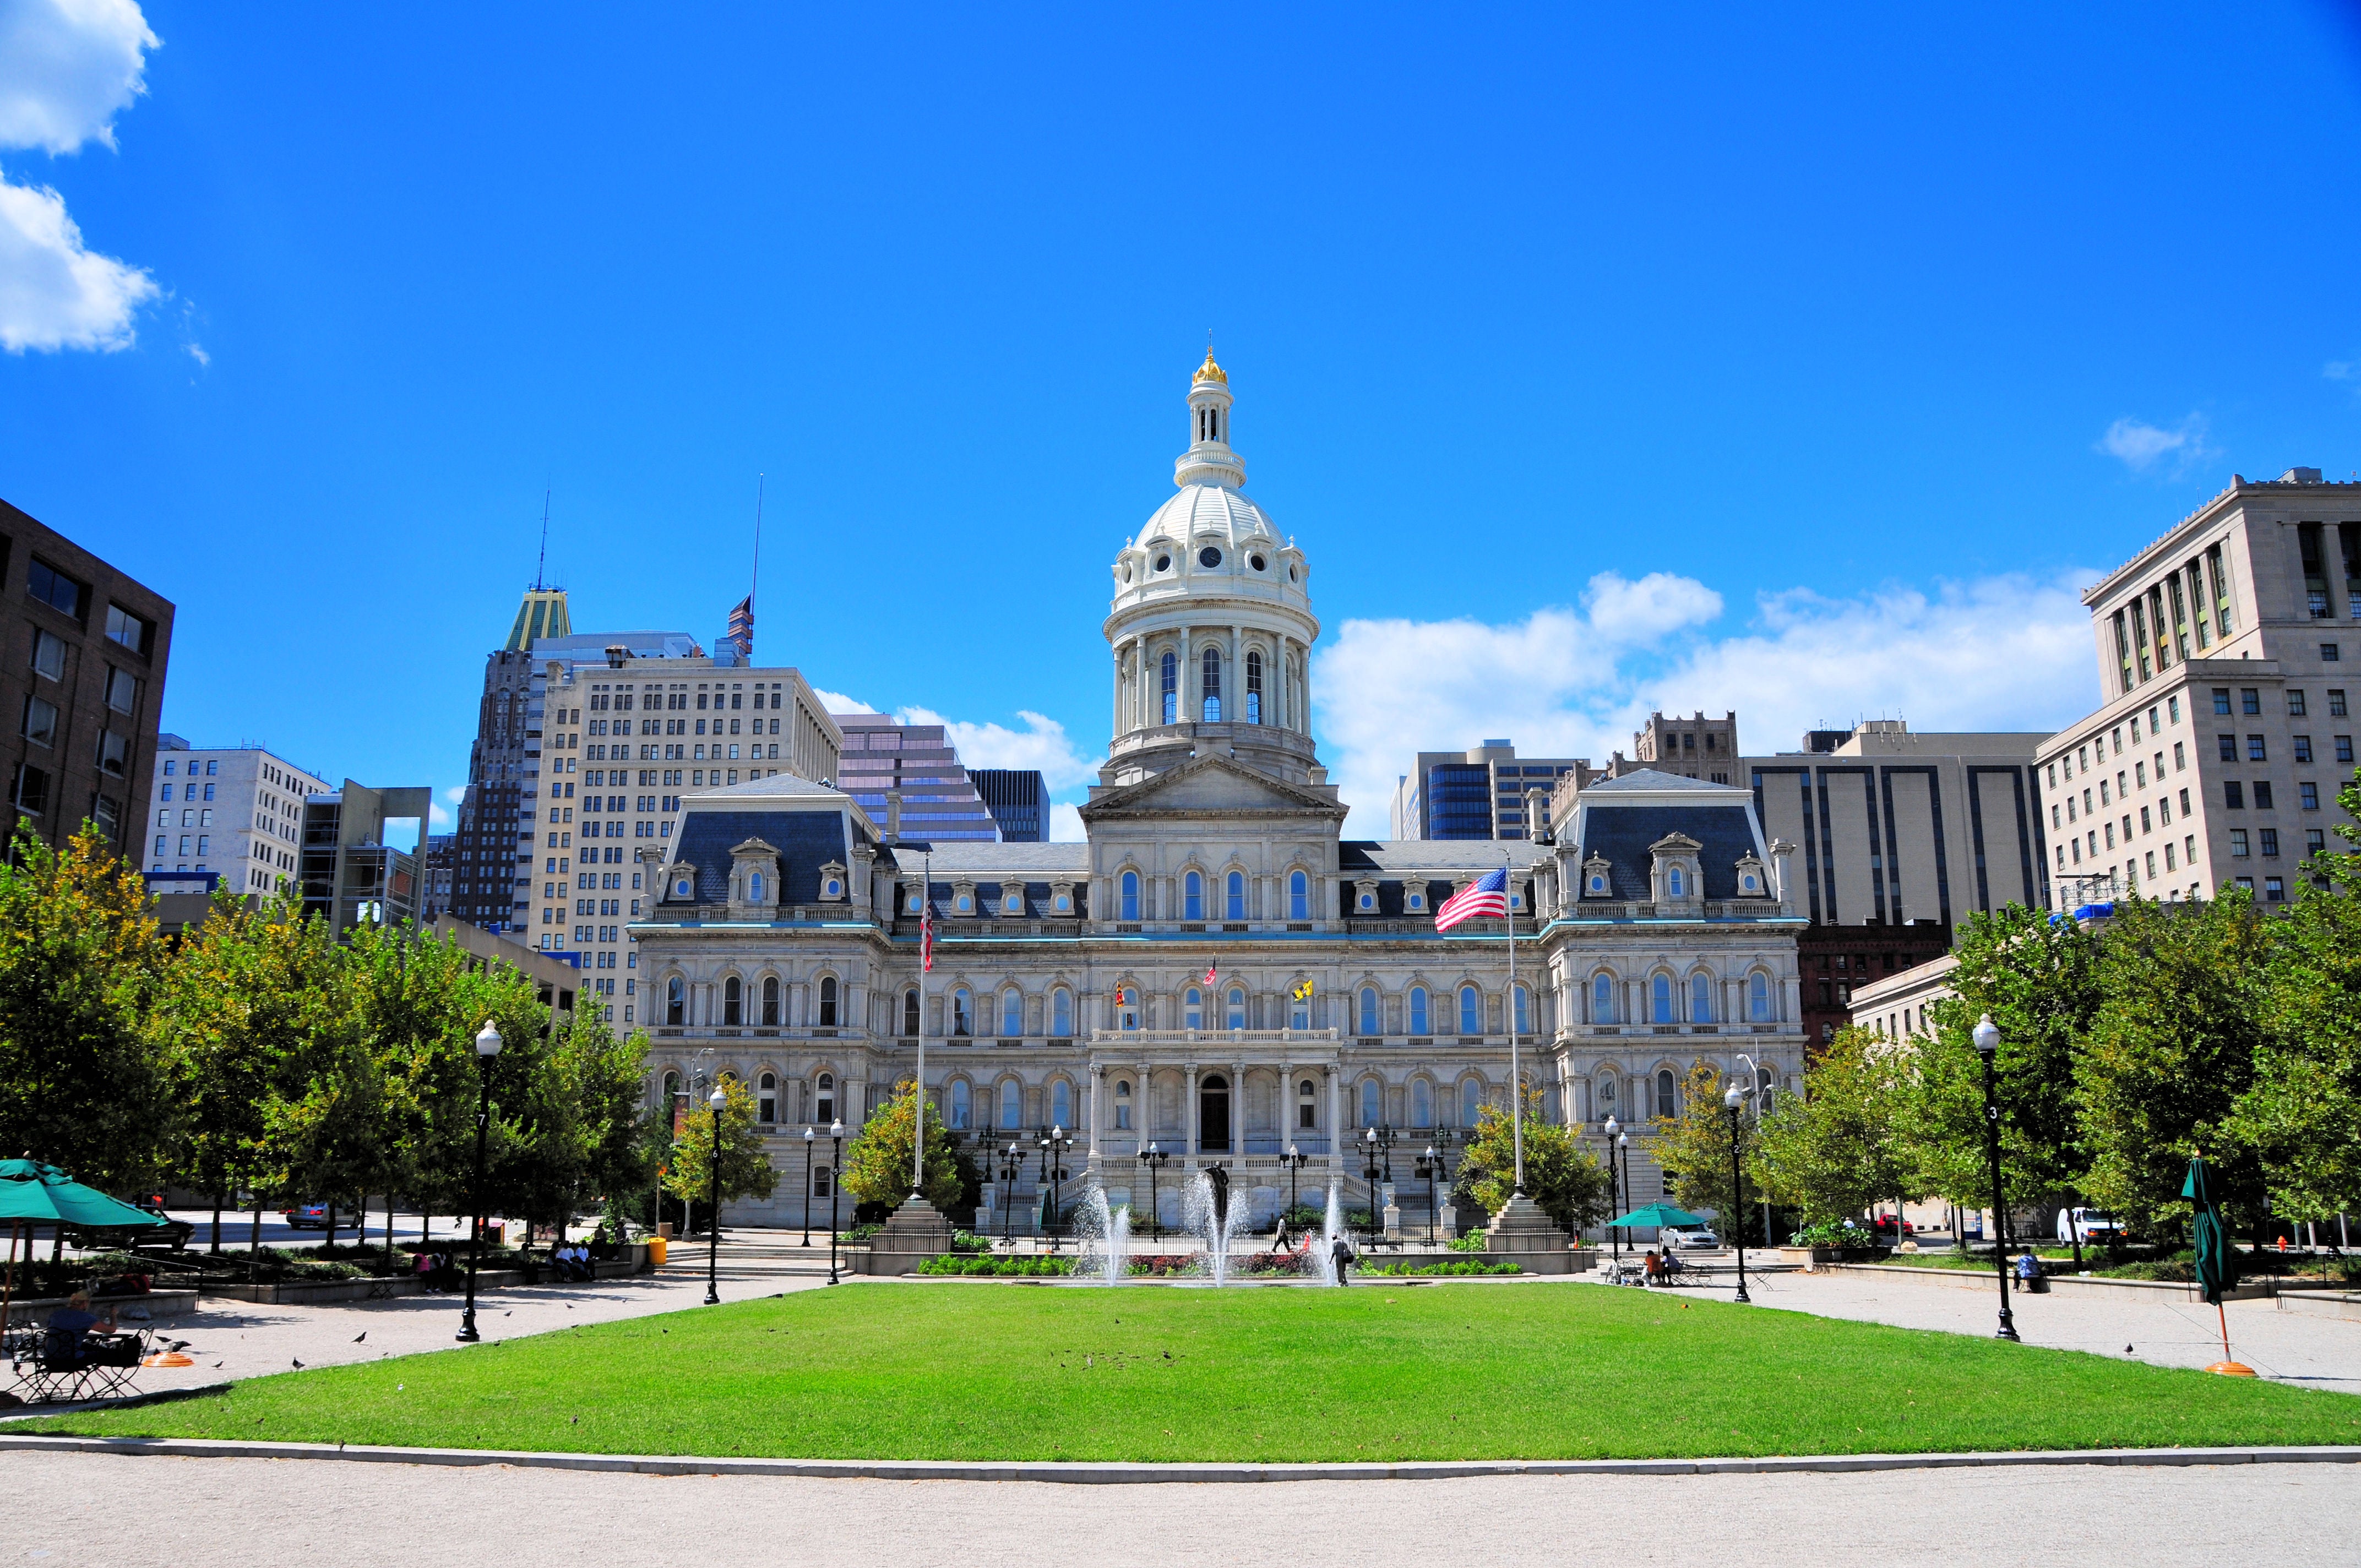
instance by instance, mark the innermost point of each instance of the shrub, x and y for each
(998, 1268)
(1460, 1268)
(1472, 1242)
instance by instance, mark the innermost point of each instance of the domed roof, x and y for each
(1196, 510)
(1209, 371)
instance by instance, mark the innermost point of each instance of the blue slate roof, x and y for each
(1621, 834)
(806, 841)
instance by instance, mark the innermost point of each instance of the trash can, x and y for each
(656, 1245)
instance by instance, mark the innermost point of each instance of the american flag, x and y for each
(927, 932)
(741, 628)
(1212, 970)
(1488, 896)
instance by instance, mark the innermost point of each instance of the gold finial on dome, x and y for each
(1209, 371)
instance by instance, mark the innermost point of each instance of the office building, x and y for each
(2224, 729)
(235, 810)
(1018, 801)
(1692, 748)
(442, 876)
(1481, 793)
(907, 777)
(84, 677)
(350, 873)
(490, 886)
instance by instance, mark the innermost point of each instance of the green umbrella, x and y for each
(31, 1190)
(2217, 1269)
(1659, 1216)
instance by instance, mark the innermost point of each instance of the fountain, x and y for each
(1208, 1214)
(1323, 1257)
(1106, 1239)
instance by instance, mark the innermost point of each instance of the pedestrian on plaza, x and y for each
(1341, 1255)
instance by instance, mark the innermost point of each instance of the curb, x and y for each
(1138, 1475)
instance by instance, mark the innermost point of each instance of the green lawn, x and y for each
(1395, 1371)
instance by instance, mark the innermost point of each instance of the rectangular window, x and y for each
(2218, 572)
(2309, 795)
(2221, 699)
(47, 585)
(31, 791)
(2238, 850)
(2144, 830)
(2255, 750)
(2189, 848)
(113, 753)
(2123, 649)
(122, 691)
(2262, 795)
(2314, 842)
(2172, 707)
(2271, 843)
(2336, 704)
(2228, 745)
(2139, 637)
(128, 629)
(2234, 795)
(2315, 569)
(2295, 704)
(2179, 760)
(2344, 748)
(2303, 748)
(2274, 891)
(2250, 699)
(48, 655)
(41, 722)
(2328, 653)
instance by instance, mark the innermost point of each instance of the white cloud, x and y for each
(1999, 654)
(2141, 445)
(837, 702)
(197, 352)
(438, 818)
(67, 68)
(1066, 825)
(1041, 744)
(55, 292)
(2338, 369)
(455, 794)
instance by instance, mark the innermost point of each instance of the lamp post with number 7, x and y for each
(487, 1046)
(1730, 1099)
(1987, 1038)
(714, 1102)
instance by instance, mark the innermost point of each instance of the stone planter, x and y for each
(1581, 1259)
(1809, 1258)
(159, 1305)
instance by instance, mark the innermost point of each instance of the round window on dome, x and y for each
(1164, 562)
(1255, 562)
(1127, 571)
(1293, 574)
(1209, 556)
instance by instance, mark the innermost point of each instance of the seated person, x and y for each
(70, 1325)
(1652, 1268)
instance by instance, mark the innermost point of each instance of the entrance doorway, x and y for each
(1213, 1113)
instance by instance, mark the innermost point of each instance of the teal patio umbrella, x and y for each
(1658, 1216)
(2216, 1267)
(34, 1193)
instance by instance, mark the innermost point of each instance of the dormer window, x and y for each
(682, 887)
(1413, 897)
(832, 882)
(1675, 885)
(1012, 901)
(753, 887)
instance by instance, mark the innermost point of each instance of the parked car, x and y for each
(2094, 1228)
(1883, 1229)
(306, 1217)
(1690, 1237)
(177, 1231)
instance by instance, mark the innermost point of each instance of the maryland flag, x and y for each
(1302, 992)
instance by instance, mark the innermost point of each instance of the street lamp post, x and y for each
(1011, 1166)
(714, 1102)
(1614, 1188)
(1623, 1147)
(487, 1046)
(1379, 1143)
(1054, 1171)
(1431, 1166)
(835, 1180)
(808, 1183)
(1730, 1099)
(1294, 1159)
(1153, 1159)
(1987, 1038)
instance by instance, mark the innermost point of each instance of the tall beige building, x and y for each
(2226, 727)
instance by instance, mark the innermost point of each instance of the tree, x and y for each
(81, 1083)
(877, 1165)
(746, 1168)
(1692, 1147)
(1841, 1146)
(1564, 1179)
(2168, 1053)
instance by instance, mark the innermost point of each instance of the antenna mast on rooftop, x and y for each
(541, 563)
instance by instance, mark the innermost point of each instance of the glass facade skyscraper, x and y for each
(907, 777)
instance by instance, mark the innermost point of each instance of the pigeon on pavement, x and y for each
(360, 1337)
(298, 1361)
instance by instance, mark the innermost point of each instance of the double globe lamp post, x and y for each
(487, 1046)
(1987, 1038)
(1614, 1192)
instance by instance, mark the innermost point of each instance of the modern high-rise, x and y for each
(490, 887)
(442, 876)
(237, 811)
(1019, 800)
(2226, 724)
(350, 873)
(84, 677)
(907, 777)
(1479, 793)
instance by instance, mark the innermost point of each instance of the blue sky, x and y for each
(1801, 365)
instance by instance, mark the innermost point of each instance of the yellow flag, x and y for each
(1302, 993)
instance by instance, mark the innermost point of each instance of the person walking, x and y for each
(1341, 1256)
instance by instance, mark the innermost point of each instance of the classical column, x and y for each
(1234, 701)
(1098, 1078)
(1188, 1113)
(1187, 683)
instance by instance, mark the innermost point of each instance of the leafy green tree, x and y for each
(1843, 1145)
(1565, 1180)
(877, 1161)
(746, 1170)
(82, 1082)
(2171, 1051)
(1692, 1147)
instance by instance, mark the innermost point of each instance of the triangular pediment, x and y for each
(1213, 786)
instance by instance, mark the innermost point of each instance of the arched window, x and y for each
(676, 1001)
(1123, 1104)
(1062, 1012)
(1471, 1103)
(960, 1105)
(1171, 670)
(1672, 882)
(1213, 686)
(828, 1008)
(1012, 1103)
(1193, 897)
(1299, 896)
(910, 1025)
(766, 1102)
(1602, 999)
(1254, 688)
(824, 1099)
(1372, 1102)
(732, 1001)
(1237, 1011)
(1421, 1104)
(1605, 1097)
(1667, 1094)
(1419, 1021)
(1370, 1023)
(1471, 1010)
(1192, 1009)
(1307, 1105)
(1525, 1010)
(1131, 895)
(1011, 1013)
(1127, 1007)
(1659, 999)
(1061, 1103)
(963, 1011)
(671, 1087)
(770, 1002)
(1233, 896)
(1700, 999)
(754, 888)
(1758, 996)
(1299, 1011)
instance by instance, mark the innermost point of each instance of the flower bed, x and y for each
(1461, 1267)
(998, 1268)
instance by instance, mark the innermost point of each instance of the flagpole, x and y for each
(1516, 1086)
(926, 958)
